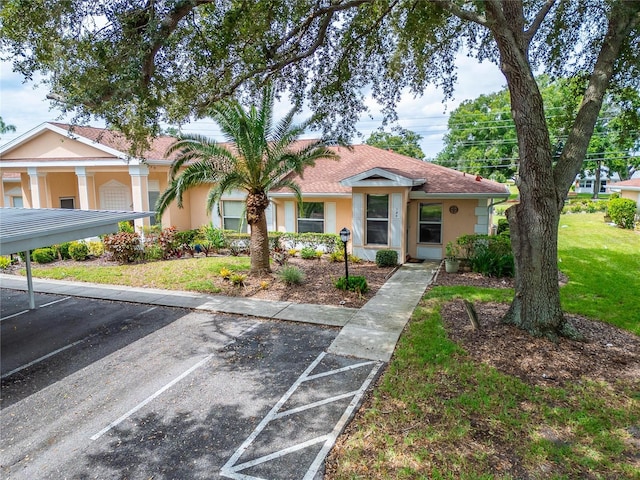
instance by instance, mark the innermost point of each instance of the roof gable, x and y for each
(380, 177)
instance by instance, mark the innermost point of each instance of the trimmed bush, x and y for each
(63, 250)
(5, 262)
(79, 251)
(356, 283)
(96, 248)
(291, 275)
(44, 255)
(386, 258)
(622, 212)
(123, 247)
(503, 226)
(489, 255)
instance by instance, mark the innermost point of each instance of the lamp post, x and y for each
(344, 236)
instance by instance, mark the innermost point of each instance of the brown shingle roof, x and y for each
(117, 141)
(325, 177)
(634, 182)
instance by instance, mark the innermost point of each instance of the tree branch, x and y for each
(540, 16)
(470, 16)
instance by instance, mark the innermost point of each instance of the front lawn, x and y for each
(500, 404)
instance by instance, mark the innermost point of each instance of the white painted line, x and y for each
(332, 437)
(227, 467)
(44, 357)
(278, 454)
(338, 370)
(25, 311)
(319, 403)
(150, 398)
(55, 301)
(14, 315)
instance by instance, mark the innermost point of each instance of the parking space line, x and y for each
(26, 311)
(44, 357)
(151, 397)
(232, 469)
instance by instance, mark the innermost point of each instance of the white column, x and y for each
(39, 188)
(140, 192)
(86, 189)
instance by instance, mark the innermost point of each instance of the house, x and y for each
(628, 189)
(386, 199)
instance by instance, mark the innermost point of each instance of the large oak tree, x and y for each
(136, 63)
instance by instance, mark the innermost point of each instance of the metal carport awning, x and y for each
(25, 229)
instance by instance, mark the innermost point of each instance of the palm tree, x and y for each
(260, 158)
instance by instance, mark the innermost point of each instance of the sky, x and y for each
(24, 105)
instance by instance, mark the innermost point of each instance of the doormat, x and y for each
(415, 260)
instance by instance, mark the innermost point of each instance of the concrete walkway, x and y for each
(370, 332)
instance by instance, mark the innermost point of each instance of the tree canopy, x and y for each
(405, 142)
(137, 63)
(482, 139)
(5, 128)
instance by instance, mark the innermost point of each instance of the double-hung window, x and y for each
(430, 222)
(232, 216)
(311, 217)
(377, 219)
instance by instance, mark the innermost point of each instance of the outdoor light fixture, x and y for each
(344, 236)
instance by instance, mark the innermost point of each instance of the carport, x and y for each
(25, 229)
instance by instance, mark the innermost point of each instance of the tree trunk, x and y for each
(533, 222)
(257, 203)
(596, 183)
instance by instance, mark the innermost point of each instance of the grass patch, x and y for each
(602, 263)
(194, 274)
(438, 414)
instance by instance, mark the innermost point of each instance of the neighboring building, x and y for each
(628, 189)
(386, 199)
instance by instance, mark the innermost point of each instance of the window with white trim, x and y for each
(67, 202)
(377, 220)
(430, 223)
(311, 217)
(233, 216)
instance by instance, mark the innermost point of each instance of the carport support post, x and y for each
(32, 297)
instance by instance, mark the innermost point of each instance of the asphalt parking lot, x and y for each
(96, 389)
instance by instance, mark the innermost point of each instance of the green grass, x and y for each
(194, 274)
(603, 266)
(438, 414)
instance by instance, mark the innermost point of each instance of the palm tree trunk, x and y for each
(257, 204)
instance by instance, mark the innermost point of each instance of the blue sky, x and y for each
(25, 106)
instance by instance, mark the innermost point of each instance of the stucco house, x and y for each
(386, 199)
(628, 189)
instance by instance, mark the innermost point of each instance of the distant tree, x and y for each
(261, 158)
(482, 139)
(405, 142)
(4, 128)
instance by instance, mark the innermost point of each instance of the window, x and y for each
(67, 203)
(430, 223)
(16, 202)
(378, 219)
(311, 217)
(153, 198)
(232, 216)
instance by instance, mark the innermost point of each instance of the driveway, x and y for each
(102, 389)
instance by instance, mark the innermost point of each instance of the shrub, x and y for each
(591, 207)
(356, 283)
(489, 255)
(336, 256)
(225, 273)
(576, 208)
(5, 262)
(125, 227)
(354, 258)
(292, 252)
(386, 258)
(96, 248)
(123, 247)
(43, 255)
(152, 252)
(186, 237)
(79, 251)
(503, 226)
(291, 275)
(214, 236)
(309, 253)
(168, 243)
(238, 279)
(264, 285)
(622, 212)
(63, 250)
